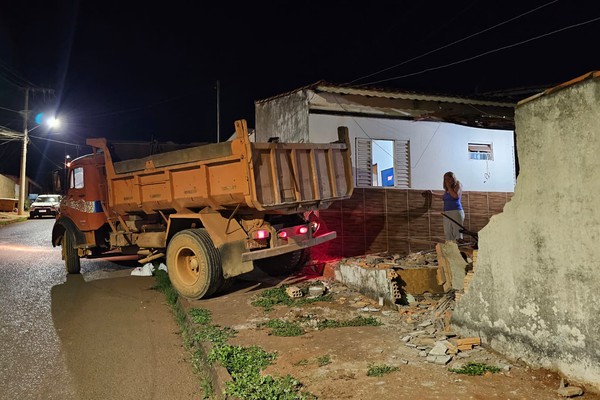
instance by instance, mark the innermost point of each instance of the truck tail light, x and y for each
(282, 234)
(302, 230)
(260, 234)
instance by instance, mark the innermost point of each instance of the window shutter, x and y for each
(402, 163)
(364, 161)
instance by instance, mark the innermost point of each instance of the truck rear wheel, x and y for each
(69, 253)
(194, 264)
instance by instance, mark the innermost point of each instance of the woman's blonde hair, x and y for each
(451, 175)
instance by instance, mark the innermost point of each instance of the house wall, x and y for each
(398, 221)
(534, 295)
(8, 189)
(285, 117)
(435, 148)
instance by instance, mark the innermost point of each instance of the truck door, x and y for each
(82, 203)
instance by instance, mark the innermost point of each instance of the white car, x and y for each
(45, 204)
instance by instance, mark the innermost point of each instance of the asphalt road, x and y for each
(103, 334)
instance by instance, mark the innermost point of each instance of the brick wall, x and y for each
(378, 220)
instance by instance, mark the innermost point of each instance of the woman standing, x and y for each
(452, 206)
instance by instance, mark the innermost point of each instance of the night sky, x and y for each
(134, 70)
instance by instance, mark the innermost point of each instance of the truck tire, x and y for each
(284, 264)
(69, 253)
(194, 264)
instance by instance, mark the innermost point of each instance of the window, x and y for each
(382, 163)
(480, 151)
(77, 178)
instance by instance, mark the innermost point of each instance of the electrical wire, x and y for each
(487, 52)
(455, 42)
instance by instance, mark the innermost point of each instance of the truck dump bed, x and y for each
(268, 177)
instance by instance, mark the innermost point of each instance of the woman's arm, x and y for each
(432, 193)
(455, 191)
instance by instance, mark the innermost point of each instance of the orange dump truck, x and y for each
(210, 212)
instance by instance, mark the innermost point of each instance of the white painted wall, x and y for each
(435, 148)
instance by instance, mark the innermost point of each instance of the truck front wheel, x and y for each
(194, 264)
(69, 254)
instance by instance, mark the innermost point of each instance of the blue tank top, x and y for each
(451, 203)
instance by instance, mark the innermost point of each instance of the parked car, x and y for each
(45, 204)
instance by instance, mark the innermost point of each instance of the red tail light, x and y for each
(260, 234)
(302, 230)
(282, 234)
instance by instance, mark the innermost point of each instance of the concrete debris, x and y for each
(568, 391)
(293, 292)
(439, 349)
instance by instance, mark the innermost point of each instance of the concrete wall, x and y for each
(286, 117)
(435, 148)
(535, 293)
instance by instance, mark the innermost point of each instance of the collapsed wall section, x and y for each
(535, 293)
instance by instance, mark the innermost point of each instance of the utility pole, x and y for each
(23, 177)
(218, 113)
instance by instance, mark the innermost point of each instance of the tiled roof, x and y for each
(323, 86)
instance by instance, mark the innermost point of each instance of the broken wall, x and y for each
(285, 117)
(535, 294)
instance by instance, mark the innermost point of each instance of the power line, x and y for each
(486, 52)
(455, 42)
(14, 77)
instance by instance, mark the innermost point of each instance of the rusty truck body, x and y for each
(209, 212)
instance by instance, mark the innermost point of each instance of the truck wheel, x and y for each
(194, 264)
(284, 264)
(69, 253)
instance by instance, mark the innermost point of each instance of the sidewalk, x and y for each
(10, 217)
(344, 345)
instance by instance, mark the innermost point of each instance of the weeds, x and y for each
(358, 321)
(323, 360)
(283, 328)
(473, 368)
(380, 370)
(277, 296)
(163, 284)
(301, 363)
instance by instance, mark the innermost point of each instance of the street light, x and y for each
(52, 123)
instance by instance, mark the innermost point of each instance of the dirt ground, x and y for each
(403, 340)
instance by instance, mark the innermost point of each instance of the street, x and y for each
(99, 335)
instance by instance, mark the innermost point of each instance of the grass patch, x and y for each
(323, 360)
(473, 368)
(163, 284)
(283, 328)
(277, 296)
(243, 363)
(10, 221)
(380, 370)
(358, 321)
(301, 363)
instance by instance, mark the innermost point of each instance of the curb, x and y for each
(12, 221)
(217, 374)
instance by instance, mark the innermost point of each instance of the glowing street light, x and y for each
(52, 123)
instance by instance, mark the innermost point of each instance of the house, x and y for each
(402, 143)
(534, 294)
(9, 191)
